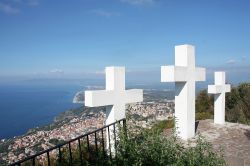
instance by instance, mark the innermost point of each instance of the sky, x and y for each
(79, 38)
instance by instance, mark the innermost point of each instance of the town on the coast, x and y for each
(146, 114)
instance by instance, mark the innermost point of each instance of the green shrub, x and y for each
(204, 106)
(164, 124)
(203, 115)
(204, 102)
(202, 154)
(151, 147)
(238, 104)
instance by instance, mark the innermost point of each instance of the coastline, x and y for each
(23, 107)
(79, 98)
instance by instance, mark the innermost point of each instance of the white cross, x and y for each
(219, 89)
(114, 97)
(184, 74)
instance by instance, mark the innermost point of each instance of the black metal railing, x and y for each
(88, 148)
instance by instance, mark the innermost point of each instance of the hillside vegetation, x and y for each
(142, 148)
(237, 105)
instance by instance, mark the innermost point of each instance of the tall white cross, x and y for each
(219, 89)
(114, 97)
(184, 74)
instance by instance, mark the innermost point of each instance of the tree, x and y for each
(204, 105)
(238, 104)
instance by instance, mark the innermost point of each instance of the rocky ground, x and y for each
(232, 137)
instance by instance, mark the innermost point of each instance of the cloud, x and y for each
(100, 72)
(138, 2)
(15, 1)
(243, 58)
(15, 6)
(231, 61)
(32, 2)
(56, 71)
(25, 2)
(104, 13)
(8, 9)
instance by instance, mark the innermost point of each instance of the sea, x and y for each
(29, 105)
(34, 103)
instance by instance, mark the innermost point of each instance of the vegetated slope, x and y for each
(237, 104)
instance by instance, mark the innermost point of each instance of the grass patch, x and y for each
(203, 115)
(161, 125)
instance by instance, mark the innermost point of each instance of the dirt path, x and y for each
(233, 137)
